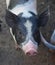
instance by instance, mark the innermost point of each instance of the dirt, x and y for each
(10, 56)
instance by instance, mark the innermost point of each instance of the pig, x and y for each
(24, 23)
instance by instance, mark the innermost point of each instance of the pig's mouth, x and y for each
(48, 44)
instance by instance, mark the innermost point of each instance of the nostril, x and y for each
(28, 53)
(31, 53)
(35, 53)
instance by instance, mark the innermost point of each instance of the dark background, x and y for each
(10, 56)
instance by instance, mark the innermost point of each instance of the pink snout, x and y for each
(31, 53)
(30, 49)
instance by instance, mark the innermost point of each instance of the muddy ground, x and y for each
(10, 56)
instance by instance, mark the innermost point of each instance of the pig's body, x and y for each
(24, 24)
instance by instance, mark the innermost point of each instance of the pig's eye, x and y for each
(20, 37)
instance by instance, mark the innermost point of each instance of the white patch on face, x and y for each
(13, 35)
(28, 26)
(25, 8)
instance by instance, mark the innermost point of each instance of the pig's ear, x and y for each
(43, 18)
(11, 19)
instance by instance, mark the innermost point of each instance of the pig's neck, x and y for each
(25, 8)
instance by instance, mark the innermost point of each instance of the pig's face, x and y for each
(26, 30)
(27, 34)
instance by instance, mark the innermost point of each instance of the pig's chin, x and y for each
(30, 46)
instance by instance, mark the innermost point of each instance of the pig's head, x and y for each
(26, 30)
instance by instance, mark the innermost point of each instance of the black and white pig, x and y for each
(24, 23)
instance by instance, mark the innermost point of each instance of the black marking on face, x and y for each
(20, 31)
(20, 37)
(36, 36)
(35, 29)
